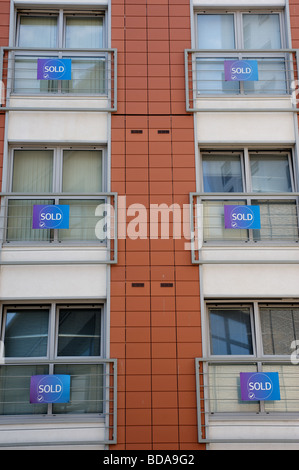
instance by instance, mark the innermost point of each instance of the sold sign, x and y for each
(50, 389)
(50, 216)
(242, 217)
(54, 69)
(259, 386)
(241, 70)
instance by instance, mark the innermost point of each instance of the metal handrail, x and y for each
(110, 76)
(205, 416)
(110, 240)
(191, 94)
(197, 226)
(109, 414)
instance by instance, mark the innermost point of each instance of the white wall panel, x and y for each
(251, 280)
(238, 3)
(53, 282)
(57, 126)
(34, 435)
(245, 127)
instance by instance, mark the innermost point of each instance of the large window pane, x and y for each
(26, 333)
(37, 31)
(230, 331)
(82, 220)
(15, 389)
(279, 221)
(86, 33)
(88, 76)
(25, 77)
(280, 326)
(79, 332)
(82, 171)
(272, 77)
(19, 221)
(289, 383)
(270, 173)
(213, 223)
(224, 388)
(32, 171)
(87, 388)
(215, 31)
(222, 173)
(211, 78)
(261, 31)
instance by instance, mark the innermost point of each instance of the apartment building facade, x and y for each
(131, 306)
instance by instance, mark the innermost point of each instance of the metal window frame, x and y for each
(245, 153)
(238, 21)
(58, 151)
(52, 359)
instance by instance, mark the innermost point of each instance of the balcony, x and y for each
(92, 222)
(278, 213)
(93, 400)
(222, 416)
(93, 75)
(205, 78)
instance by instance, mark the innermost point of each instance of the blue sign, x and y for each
(259, 386)
(50, 388)
(54, 69)
(50, 217)
(241, 70)
(242, 217)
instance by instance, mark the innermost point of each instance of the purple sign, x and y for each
(241, 70)
(50, 216)
(259, 386)
(50, 388)
(54, 69)
(242, 217)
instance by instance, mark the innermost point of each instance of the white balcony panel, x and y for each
(249, 127)
(47, 436)
(251, 280)
(247, 430)
(232, 3)
(80, 3)
(58, 126)
(53, 282)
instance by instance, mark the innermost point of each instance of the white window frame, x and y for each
(239, 45)
(61, 14)
(247, 195)
(257, 358)
(244, 154)
(238, 23)
(52, 359)
(56, 188)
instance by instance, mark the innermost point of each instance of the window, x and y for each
(260, 336)
(52, 339)
(237, 31)
(74, 176)
(82, 32)
(252, 172)
(230, 331)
